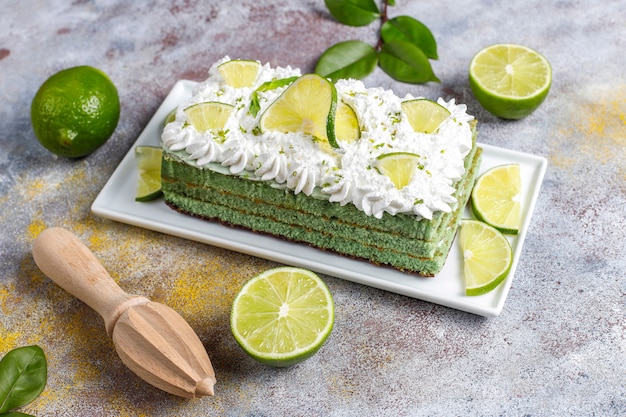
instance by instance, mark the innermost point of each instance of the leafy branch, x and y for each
(404, 49)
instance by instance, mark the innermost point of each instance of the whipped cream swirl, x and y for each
(346, 176)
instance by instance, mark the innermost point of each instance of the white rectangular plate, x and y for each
(116, 201)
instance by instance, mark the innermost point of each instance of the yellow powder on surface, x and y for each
(594, 128)
(8, 340)
(34, 188)
(34, 228)
(205, 287)
(8, 298)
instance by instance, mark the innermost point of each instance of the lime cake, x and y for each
(338, 166)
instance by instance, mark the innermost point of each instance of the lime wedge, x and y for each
(239, 73)
(487, 256)
(282, 316)
(496, 198)
(424, 115)
(171, 116)
(209, 116)
(398, 166)
(510, 81)
(149, 165)
(307, 105)
(346, 123)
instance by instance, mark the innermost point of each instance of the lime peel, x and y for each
(75, 111)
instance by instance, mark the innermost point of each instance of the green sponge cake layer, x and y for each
(399, 241)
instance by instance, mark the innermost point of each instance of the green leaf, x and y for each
(405, 62)
(23, 376)
(350, 59)
(405, 28)
(353, 12)
(255, 105)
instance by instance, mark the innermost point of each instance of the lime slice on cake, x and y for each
(424, 115)
(398, 166)
(347, 127)
(308, 106)
(487, 256)
(496, 198)
(510, 81)
(255, 102)
(282, 316)
(209, 116)
(240, 73)
(149, 165)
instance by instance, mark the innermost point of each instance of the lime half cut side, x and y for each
(510, 81)
(308, 105)
(209, 116)
(487, 256)
(424, 115)
(240, 73)
(496, 198)
(282, 316)
(149, 166)
(398, 166)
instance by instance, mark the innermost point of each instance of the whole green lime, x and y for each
(75, 111)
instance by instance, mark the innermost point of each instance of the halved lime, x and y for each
(282, 316)
(424, 115)
(240, 73)
(510, 81)
(487, 256)
(496, 198)
(149, 165)
(398, 166)
(308, 105)
(347, 127)
(209, 116)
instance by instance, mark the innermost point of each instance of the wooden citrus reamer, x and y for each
(151, 339)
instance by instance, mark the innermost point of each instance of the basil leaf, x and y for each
(353, 12)
(23, 376)
(350, 59)
(255, 105)
(405, 28)
(405, 62)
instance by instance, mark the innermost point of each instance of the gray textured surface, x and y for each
(557, 349)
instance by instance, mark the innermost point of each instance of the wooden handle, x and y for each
(68, 262)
